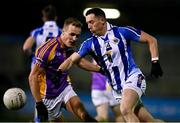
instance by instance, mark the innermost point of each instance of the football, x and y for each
(14, 98)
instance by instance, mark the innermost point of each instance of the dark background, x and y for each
(159, 18)
(156, 16)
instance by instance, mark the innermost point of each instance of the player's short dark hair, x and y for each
(49, 12)
(73, 21)
(97, 12)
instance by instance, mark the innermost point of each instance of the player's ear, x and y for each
(63, 30)
(102, 20)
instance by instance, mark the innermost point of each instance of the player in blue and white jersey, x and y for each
(42, 34)
(50, 88)
(110, 47)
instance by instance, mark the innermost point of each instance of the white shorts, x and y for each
(54, 106)
(137, 83)
(103, 96)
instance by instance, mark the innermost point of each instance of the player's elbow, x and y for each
(27, 50)
(24, 48)
(152, 41)
(147, 38)
(31, 79)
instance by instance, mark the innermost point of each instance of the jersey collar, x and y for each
(49, 23)
(109, 28)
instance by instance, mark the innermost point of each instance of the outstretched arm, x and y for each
(74, 58)
(87, 65)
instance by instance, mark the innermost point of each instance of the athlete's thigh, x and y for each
(102, 110)
(129, 99)
(70, 98)
(70, 103)
(118, 116)
(143, 114)
(136, 82)
(54, 107)
(74, 105)
(133, 89)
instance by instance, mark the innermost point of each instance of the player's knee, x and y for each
(101, 118)
(87, 118)
(125, 111)
(159, 120)
(119, 119)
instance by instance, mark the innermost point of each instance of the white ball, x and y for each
(14, 98)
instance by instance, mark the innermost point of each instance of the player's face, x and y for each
(95, 24)
(71, 34)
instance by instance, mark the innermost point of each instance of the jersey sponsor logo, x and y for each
(107, 56)
(115, 40)
(58, 53)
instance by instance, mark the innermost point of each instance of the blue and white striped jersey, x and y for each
(113, 53)
(44, 33)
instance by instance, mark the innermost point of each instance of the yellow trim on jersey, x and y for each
(44, 49)
(108, 87)
(42, 46)
(52, 53)
(42, 85)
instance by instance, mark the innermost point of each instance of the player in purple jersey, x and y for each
(40, 35)
(110, 47)
(50, 88)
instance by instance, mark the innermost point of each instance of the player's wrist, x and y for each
(154, 59)
(59, 71)
(101, 70)
(39, 103)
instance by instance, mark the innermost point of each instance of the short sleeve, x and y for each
(130, 33)
(85, 48)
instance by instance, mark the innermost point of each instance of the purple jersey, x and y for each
(49, 56)
(98, 81)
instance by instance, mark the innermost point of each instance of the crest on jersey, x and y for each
(115, 40)
(107, 56)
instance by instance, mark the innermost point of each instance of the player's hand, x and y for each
(42, 113)
(156, 69)
(101, 70)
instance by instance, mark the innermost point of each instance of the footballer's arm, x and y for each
(34, 82)
(152, 43)
(87, 65)
(69, 62)
(28, 44)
